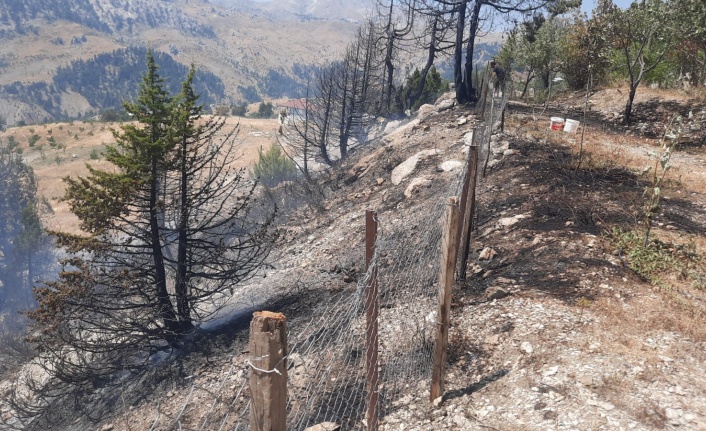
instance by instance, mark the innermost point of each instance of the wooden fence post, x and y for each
(449, 253)
(372, 305)
(468, 207)
(268, 377)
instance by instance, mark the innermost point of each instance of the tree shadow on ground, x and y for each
(475, 387)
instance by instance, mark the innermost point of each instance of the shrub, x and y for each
(239, 110)
(12, 142)
(95, 155)
(433, 87)
(274, 166)
(265, 110)
(33, 140)
(658, 261)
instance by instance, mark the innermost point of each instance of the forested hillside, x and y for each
(107, 80)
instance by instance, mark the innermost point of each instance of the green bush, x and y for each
(659, 261)
(95, 155)
(33, 140)
(265, 110)
(12, 142)
(273, 166)
(239, 110)
(433, 87)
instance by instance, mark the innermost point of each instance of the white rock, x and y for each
(445, 105)
(395, 136)
(672, 414)
(550, 371)
(391, 126)
(404, 169)
(461, 121)
(526, 347)
(326, 426)
(416, 183)
(509, 152)
(468, 138)
(510, 221)
(487, 254)
(450, 165)
(425, 111)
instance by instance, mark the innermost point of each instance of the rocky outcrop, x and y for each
(406, 168)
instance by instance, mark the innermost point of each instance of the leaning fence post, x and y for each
(449, 253)
(268, 374)
(372, 305)
(468, 207)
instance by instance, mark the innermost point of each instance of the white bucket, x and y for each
(571, 126)
(557, 123)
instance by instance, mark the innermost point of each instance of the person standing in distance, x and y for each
(498, 79)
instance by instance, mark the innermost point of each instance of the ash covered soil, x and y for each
(551, 330)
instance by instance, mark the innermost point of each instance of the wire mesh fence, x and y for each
(326, 356)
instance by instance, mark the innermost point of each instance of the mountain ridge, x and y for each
(241, 47)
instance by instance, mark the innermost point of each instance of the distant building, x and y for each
(294, 110)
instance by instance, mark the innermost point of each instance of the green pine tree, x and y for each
(170, 236)
(274, 166)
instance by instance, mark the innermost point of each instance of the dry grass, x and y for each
(604, 149)
(676, 304)
(52, 164)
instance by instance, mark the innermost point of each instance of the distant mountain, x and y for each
(18, 17)
(70, 58)
(347, 10)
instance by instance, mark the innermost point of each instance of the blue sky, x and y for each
(588, 5)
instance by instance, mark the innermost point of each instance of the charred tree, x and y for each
(169, 234)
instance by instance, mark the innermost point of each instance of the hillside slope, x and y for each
(557, 326)
(344, 10)
(554, 328)
(241, 47)
(64, 149)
